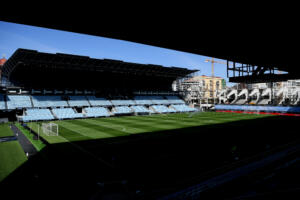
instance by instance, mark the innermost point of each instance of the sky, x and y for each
(14, 36)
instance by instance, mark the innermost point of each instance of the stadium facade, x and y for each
(43, 86)
(201, 89)
(277, 97)
(106, 156)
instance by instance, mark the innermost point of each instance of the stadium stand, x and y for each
(66, 113)
(96, 112)
(119, 106)
(141, 109)
(143, 100)
(265, 97)
(175, 100)
(78, 101)
(18, 101)
(122, 110)
(35, 114)
(64, 96)
(159, 100)
(297, 100)
(264, 102)
(2, 102)
(48, 101)
(254, 96)
(122, 102)
(232, 96)
(163, 109)
(242, 97)
(183, 108)
(241, 101)
(95, 101)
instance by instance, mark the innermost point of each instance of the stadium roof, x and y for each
(255, 38)
(35, 67)
(259, 37)
(24, 57)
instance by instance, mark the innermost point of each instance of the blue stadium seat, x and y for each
(159, 100)
(140, 109)
(95, 101)
(2, 102)
(183, 108)
(37, 114)
(163, 109)
(78, 101)
(48, 101)
(175, 100)
(122, 110)
(143, 100)
(18, 101)
(66, 113)
(96, 112)
(123, 102)
(151, 100)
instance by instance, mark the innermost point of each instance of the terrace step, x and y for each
(30, 97)
(5, 101)
(151, 108)
(87, 99)
(68, 103)
(54, 115)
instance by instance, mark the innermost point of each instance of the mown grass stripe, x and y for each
(98, 127)
(187, 122)
(159, 123)
(135, 126)
(117, 126)
(162, 122)
(71, 135)
(92, 128)
(156, 123)
(83, 130)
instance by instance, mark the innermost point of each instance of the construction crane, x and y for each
(212, 60)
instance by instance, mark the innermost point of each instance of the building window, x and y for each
(218, 85)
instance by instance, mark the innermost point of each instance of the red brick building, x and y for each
(2, 61)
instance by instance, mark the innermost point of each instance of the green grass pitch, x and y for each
(97, 128)
(11, 153)
(5, 131)
(11, 157)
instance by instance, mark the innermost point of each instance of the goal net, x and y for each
(50, 129)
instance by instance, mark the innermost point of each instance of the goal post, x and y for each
(50, 129)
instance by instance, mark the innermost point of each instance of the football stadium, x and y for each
(76, 127)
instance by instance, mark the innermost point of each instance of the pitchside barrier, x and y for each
(283, 109)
